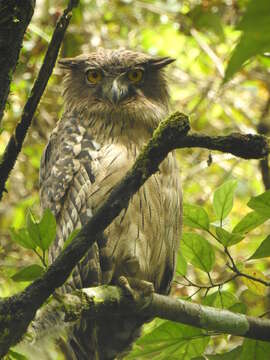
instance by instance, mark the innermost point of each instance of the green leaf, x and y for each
(28, 273)
(170, 341)
(223, 199)
(221, 299)
(255, 349)
(15, 355)
(261, 203)
(228, 239)
(181, 267)
(253, 285)
(239, 308)
(257, 16)
(42, 233)
(22, 238)
(250, 222)
(255, 38)
(71, 237)
(33, 230)
(47, 229)
(263, 250)
(195, 217)
(250, 44)
(197, 250)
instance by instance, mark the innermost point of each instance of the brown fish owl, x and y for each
(114, 99)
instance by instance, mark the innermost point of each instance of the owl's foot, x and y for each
(140, 291)
(125, 286)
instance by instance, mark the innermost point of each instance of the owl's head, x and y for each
(120, 88)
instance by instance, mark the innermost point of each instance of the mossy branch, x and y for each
(171, 133)
(18, 311)
(100, 302)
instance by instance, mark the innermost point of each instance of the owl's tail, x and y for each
(105, 339)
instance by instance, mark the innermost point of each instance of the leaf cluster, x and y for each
(177, 341)
(36, 236)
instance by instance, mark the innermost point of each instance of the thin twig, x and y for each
(211, 286)
(235, 269)
(195, 292)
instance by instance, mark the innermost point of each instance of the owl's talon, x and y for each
(124, 284)
(145, 288)
(140, 291)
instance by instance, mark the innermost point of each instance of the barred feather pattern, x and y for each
(89, 151)
(149, 230)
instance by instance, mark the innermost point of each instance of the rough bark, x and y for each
(15, 16)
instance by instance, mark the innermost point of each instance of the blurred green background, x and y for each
(200, 35)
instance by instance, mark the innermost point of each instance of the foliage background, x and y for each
(200, 35)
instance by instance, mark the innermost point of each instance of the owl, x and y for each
(113, 100)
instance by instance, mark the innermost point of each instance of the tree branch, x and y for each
(14, 145)
(15, 17)
(248, 146)
(171, 134)
(239, 273)
(101, 301)
(14, 320)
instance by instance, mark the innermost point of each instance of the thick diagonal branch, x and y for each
(18, 311)
(171, 134)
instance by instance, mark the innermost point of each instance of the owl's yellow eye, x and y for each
(135, 75)
(93, 76)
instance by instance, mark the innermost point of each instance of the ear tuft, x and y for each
(69, 63)
(159, 63)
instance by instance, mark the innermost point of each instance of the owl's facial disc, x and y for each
(117, 88)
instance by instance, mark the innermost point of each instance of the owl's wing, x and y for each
(66, 180)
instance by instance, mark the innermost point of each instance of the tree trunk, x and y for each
(15, 16)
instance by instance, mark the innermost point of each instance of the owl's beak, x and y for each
(117, 93)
